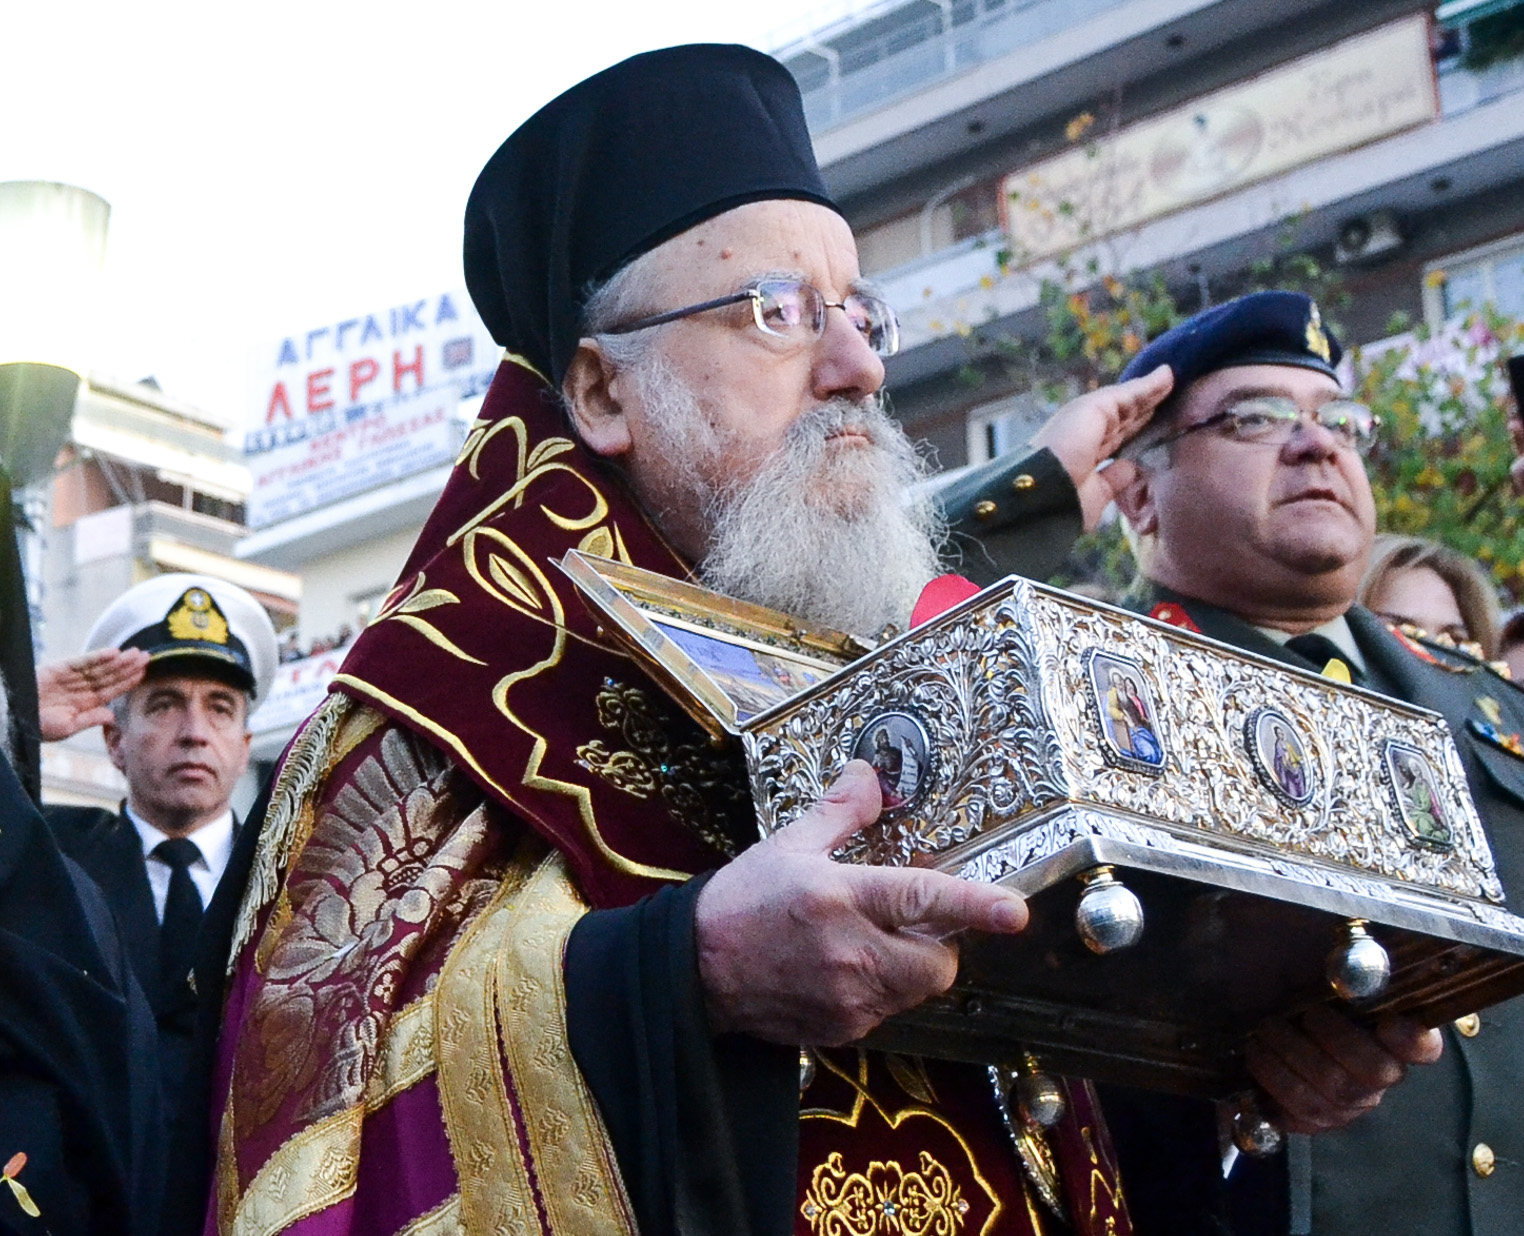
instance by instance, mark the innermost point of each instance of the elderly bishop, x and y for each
(511, 957)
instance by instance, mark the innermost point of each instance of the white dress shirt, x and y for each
(214, 840)
(1337, 632)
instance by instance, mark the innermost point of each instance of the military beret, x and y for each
(1263, 328)
(202, 624)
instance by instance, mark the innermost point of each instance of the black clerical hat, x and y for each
(1263, 328)
(618, 164)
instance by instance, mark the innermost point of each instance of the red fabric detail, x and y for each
(1170, 612)
(1418, 650)
(941, 595)
(490, 588)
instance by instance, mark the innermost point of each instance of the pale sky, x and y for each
(278, 166)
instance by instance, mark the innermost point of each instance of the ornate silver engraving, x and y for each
(1005, 692)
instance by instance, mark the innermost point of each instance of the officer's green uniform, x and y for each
(1443, 1155)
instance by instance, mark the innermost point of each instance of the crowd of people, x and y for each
(466, 969)
(293, 649)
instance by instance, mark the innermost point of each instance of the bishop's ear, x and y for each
(591, 391)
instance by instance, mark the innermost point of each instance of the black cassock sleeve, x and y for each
(705, 1128)
(79, 1076)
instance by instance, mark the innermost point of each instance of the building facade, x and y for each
(979, 147)
(145, 485)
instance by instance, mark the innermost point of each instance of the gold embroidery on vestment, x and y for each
(495, 1193)
(419, 600)
(458, 748)
(688, 777)
(1104, 1178)
(374, 879)
(579, 1178)
(863, 1097)
(406, 1056)
(314, 1170)
(443, 1220)
(886, 1200)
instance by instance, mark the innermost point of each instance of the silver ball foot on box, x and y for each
(1358, 967)
(1109, 916)
(1253, 1133)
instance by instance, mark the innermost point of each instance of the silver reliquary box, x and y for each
(1206, 838)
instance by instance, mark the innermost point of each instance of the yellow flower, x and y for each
(1078, 127)
(1435, 279)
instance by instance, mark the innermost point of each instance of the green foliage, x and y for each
(1440, 466)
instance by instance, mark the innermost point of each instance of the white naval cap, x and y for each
(195, 617)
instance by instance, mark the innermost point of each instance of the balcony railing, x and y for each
(842, 77)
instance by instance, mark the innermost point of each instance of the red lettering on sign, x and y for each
(361, 374)
(319, 393)
(279, 402)
(416, 369)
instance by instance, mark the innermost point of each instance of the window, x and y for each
(1492, 275)
(1006, 425)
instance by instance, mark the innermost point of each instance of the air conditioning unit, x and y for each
(1367, 236)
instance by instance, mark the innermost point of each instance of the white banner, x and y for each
(344, 408)
(298, 689)
(349, 454)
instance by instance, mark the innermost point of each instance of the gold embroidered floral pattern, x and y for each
(702, 786)
(388, 866)
(886, 1200)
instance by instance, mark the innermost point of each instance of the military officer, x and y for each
(181, 739)
(1254, 518)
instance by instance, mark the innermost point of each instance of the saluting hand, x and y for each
(1091, 429)
(796, 948)
(73, 695)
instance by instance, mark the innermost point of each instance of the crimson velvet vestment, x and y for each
(463, 994)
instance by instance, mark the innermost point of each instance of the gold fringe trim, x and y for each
(288, 819)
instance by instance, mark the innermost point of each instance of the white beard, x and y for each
(778, 538)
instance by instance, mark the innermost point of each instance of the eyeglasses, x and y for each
(1270, 420)
(793, 309)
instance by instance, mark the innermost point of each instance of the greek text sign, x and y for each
(1360, 90)
(368, 400)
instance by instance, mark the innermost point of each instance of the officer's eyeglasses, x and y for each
(1271, 420)
(793, 309)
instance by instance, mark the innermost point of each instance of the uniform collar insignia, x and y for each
(1317, 337)
(195, 616)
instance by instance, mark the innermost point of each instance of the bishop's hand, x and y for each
(796, 948)
(1091, 429)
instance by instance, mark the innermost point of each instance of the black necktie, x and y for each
(1320, 650)
(182, 914)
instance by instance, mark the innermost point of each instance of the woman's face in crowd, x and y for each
(1418, 595)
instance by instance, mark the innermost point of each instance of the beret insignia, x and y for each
(1317, 337)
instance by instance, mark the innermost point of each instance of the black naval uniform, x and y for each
(1444, 1153)
(110, 850)
(79, 1078)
